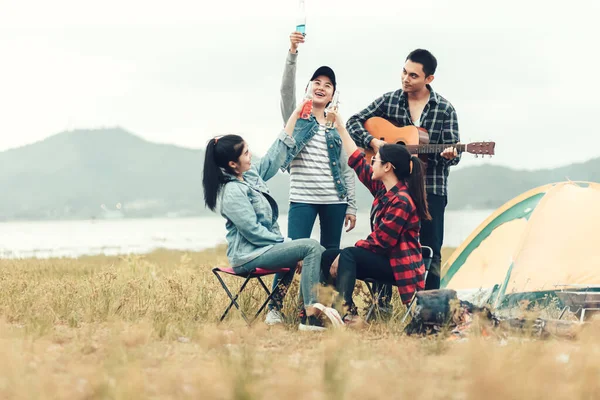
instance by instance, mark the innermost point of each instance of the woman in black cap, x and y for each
(321, 182)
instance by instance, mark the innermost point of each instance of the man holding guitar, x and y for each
(418, 105)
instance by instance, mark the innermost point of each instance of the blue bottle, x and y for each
(301, 18)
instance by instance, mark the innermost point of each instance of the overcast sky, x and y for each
(522, 73)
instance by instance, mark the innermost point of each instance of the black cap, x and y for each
(325, 71)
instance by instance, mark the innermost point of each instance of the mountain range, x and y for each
(105, 173)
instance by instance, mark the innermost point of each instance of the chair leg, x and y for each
(232, 298)
(375, 299)
(563, 312)
(409, 307)
(412, 301)
(270, 296)
(274, 295)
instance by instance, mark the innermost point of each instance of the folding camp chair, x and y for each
(257, 273)
(584, 299)
(376, 293)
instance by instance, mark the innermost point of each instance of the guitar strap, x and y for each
(373, 214)
(372, 217)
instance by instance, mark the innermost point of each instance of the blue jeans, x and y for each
(301, 219)
(287, 255)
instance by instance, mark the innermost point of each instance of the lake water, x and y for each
(110, 237)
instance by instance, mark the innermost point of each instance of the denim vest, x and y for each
(304, 131)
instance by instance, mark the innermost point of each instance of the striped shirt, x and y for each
(311, 180)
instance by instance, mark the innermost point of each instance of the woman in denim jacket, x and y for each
(253, 236)
(321, 182)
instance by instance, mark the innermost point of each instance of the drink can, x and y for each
(306, 110)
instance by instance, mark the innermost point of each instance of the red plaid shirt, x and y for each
(395, 227)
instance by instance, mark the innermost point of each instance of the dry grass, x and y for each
(145, 327)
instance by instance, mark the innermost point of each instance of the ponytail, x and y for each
(212, 179)
(416, 187)
(409, 169)
(219, 152)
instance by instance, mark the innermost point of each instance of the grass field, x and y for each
(137, 327)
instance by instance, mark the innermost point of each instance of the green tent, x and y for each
(541, 242)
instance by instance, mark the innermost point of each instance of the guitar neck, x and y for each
(433, 148)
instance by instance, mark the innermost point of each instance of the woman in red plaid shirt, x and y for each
(392, 251)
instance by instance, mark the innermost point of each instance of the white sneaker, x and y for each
(274, 317)
(311, 323)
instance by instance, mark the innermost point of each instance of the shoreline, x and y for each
(179, 216)
(74, 239)
(218, 249)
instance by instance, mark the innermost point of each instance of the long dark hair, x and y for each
(401, 159)
(219, 152)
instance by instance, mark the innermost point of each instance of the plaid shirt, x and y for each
(438, 117)
(395, 227)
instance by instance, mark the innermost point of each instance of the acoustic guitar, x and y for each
(416, 140)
